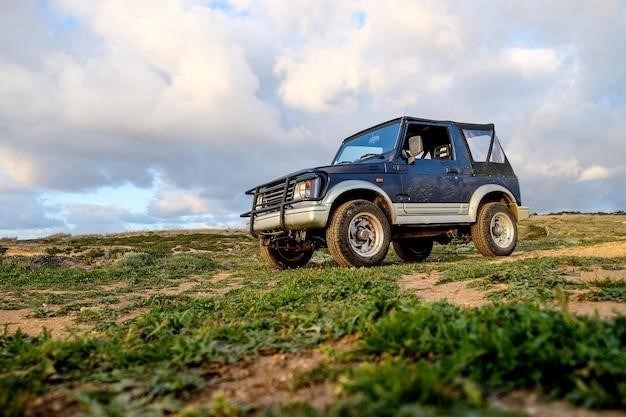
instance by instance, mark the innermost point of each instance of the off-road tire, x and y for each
(279, 259)
(482, 234)
(413, 250)
(338, 234)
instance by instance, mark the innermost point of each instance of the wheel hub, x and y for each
(365, 234)
(502, 230)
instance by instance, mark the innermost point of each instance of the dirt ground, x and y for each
(602, 250)
(64, 325)
(425, 285)
(270, 380)
(280, 378)
(22, 319)
(529, 404)
(461, 293)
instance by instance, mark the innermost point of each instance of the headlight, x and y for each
(307, 189)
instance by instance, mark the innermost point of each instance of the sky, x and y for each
(158, 114)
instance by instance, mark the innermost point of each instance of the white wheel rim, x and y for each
(365, 234)
(502, 230)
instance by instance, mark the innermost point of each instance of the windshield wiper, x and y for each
(343, 162)
(369, 155)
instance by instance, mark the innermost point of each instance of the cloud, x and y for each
(139, 100)
(199, 102)
(533, 62)
(172, 202)
(344, 60)
(594, 172)
(22, 210)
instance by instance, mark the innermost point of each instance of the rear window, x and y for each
(479, 143)
(497, 154)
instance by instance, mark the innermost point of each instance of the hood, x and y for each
(362, 167)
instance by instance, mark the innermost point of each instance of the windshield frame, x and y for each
(357, 135)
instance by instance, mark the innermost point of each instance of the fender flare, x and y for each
(482, 191)
(355, 185)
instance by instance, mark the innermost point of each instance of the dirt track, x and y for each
(426, 285)
(602, 250)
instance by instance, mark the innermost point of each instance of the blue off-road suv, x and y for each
(407, 181)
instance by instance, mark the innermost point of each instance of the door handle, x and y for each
(454, 171)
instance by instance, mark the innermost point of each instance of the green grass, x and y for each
(448, 354)
(25, 280)
(607, 290)
(468, 352)
(410, 358)
(532, 279)
(176, 337)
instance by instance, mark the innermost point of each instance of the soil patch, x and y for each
(20, 319)
(596, 274)
(460, 293)
(225, 279)
(602, 250)
(62, 326)
(425, 286)
(530, 404)
(604, 309)
(24, 250)
(270, 381)
(55, 403)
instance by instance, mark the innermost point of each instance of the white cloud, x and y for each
(341, 63)
(172, 202)
(533, 62)
(214, 100)
(594, 172)
(561, 169)
(18, 168)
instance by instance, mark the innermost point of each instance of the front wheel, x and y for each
(495, 230)
(358, 234)
(413, 250)
(284, 258)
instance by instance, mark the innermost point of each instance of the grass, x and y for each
(176, 338)
(50, 272)
(409, 358)
(453, 355)
(607, 290)
(531, 279)
(43, 281)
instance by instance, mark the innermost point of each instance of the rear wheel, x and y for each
(495, 230)
(284, 258)
(413, 250)
(358, 234)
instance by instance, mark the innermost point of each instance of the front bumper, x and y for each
(302, 215)
(522, 213)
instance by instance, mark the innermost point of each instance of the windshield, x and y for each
(374, 143)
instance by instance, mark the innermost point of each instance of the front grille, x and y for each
(272, 194)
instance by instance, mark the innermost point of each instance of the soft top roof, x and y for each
(462, 125)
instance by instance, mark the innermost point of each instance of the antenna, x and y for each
(404, 111)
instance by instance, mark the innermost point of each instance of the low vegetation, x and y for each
(157, 324)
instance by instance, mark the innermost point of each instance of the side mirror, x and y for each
(442, 152)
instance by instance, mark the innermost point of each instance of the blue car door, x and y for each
(432, 186)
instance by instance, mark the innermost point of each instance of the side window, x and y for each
(497, 155)
(436, 143)
(479, 142)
